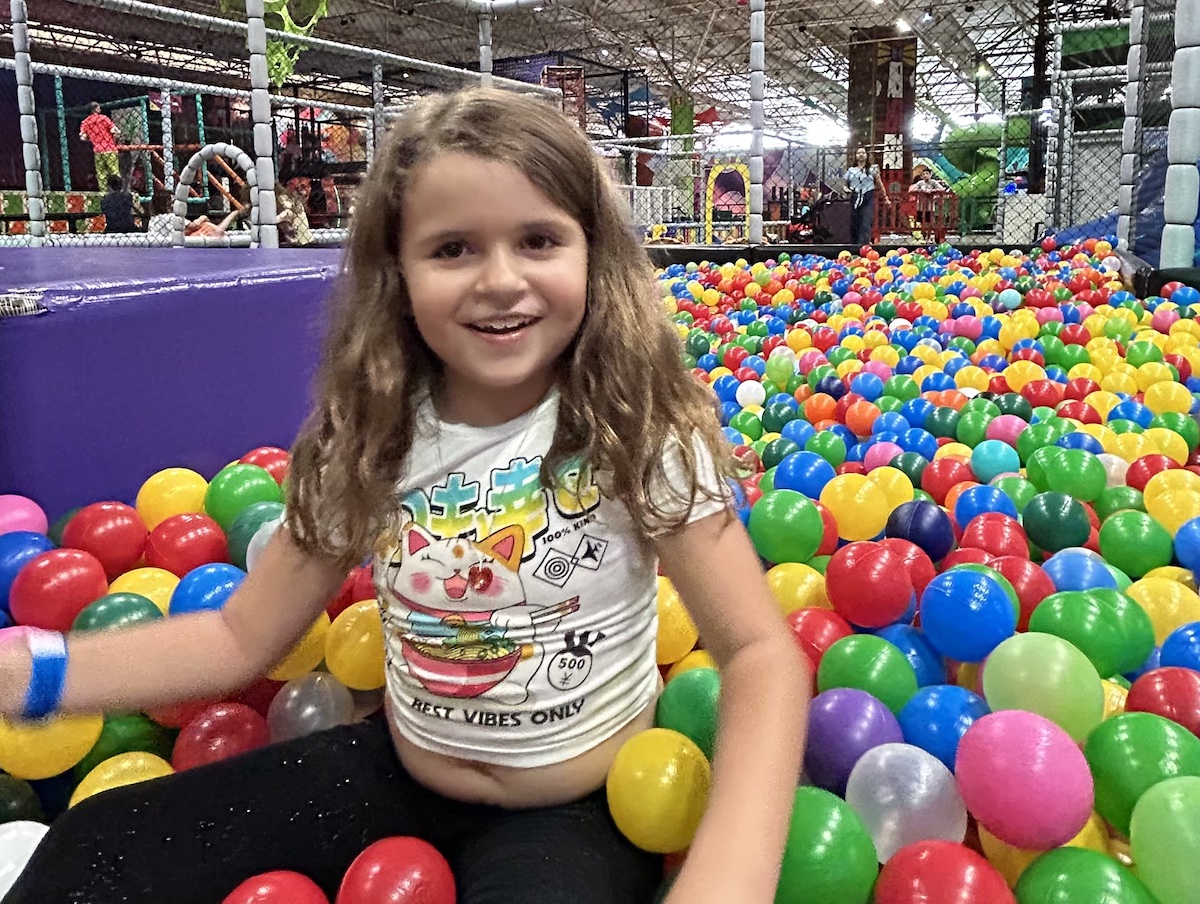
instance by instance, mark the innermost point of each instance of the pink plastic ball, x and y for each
(969, 326)
(948, 327)
(969, 292)
(1085, 310)
(19, 513)
(1006, 428)
(1024, 779)
(880, 454)
(878, 368)
(851, 297)
(1045, 315)
(809, 360)
(1163, 318)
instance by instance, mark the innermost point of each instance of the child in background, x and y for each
(101, 133)
(504, 420)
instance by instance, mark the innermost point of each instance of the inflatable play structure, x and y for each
(967, 160)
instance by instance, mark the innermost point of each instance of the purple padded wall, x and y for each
(151, 358)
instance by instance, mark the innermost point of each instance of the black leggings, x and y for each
(312, 805)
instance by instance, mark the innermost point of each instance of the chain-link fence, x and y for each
(171, 80)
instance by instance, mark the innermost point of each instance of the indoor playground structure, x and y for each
(967, 452)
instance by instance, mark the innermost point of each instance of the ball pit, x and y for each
(974, 483)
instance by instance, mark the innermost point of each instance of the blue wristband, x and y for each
(48, 676)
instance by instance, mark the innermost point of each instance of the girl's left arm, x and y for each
(765, 688)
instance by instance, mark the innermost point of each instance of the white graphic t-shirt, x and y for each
(520, 621)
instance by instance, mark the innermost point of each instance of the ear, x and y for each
(507, 545)
(414, 538)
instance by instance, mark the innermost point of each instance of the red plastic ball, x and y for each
(940, 872)
(359, 585)
(113, 532)
(1029, 581)
(816, 629)
(272, 459)
(1075, 334)
(942, 474)
(868, 584)
(1142, 469)
(1029, 354)
(964, 556)
(920, 567)
(177, 715)
(184, 542)
(1079, 411)
(1168, 289)
(851, 467)
(1080, 388)
(278, 887)
(1170, 692)
(997, 534)
(1042, 392)
(219, 732)
(258, 696)
(829, 535)
(54, 587)
(398, 870)
(998, 385)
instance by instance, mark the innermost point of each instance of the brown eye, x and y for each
(480, 578)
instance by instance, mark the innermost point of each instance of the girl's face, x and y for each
(860, 156)
(497, 274)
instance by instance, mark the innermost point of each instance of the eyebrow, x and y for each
(546, 224)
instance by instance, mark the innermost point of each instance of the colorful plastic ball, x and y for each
(940, 872)
(247, 523)
(221, 731)
(1024, 779)
(1079, 568)
(925, 524)
(1168, 603)
(205, 588)
(234, 488)
(1074, 875)
(354, 648)
(936, 717)
(119, 771)
(54, 587)
(980, 500)
(1130, 753)
(18, 513)
(1047, 675)
(1173, 693)
(1135, 543)
(38, 750)
(657, 790)
(155, 584)
(277, 887)
(966, 615)
(829, 855)
(996, 533)
(172, 491)
(928, 665)
(994, 457)
(943, 474)
(870, 664)
(688, 705)
(816, 630)
(17, 549)
(1181, 648)
(112, 532)
(804, 472)
(182, 543)
(306, 654)
(785, 526)
(393, 869)
(868, 584)
(1055, 521)
(116, 610)
(858, 505)
(844, 723)
(1165, 839)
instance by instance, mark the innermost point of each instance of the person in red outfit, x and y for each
(101, 133)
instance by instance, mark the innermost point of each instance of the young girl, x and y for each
(503, 417)
(863, 179)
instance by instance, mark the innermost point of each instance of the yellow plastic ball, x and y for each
(1019, 373)
(657, 790)
(971, 377)
(1168, 395)
(953, 450)
(120, 770)
(1011, 861)
(173, 491)
(677, 633)
(156, 584)
(797, 586)
(895, 485)
(1168, 603)
(306, 655)
(858, 505)
(1169, 443)
(354, 647)
(1174, 509)
(1174, 573)
(37, 750)
(697, 659)
(1114, 698)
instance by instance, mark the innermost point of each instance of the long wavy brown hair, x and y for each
(627, 402)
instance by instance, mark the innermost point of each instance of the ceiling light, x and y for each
(604, 51)
(902, 25)
(928, 17)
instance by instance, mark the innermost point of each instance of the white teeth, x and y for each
(503, 325)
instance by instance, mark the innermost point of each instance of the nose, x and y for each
(501, 275)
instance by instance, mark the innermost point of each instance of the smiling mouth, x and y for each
(502, 327)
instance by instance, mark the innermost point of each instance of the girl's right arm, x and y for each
(189, 657)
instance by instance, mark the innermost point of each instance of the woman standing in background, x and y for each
(863, 179)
